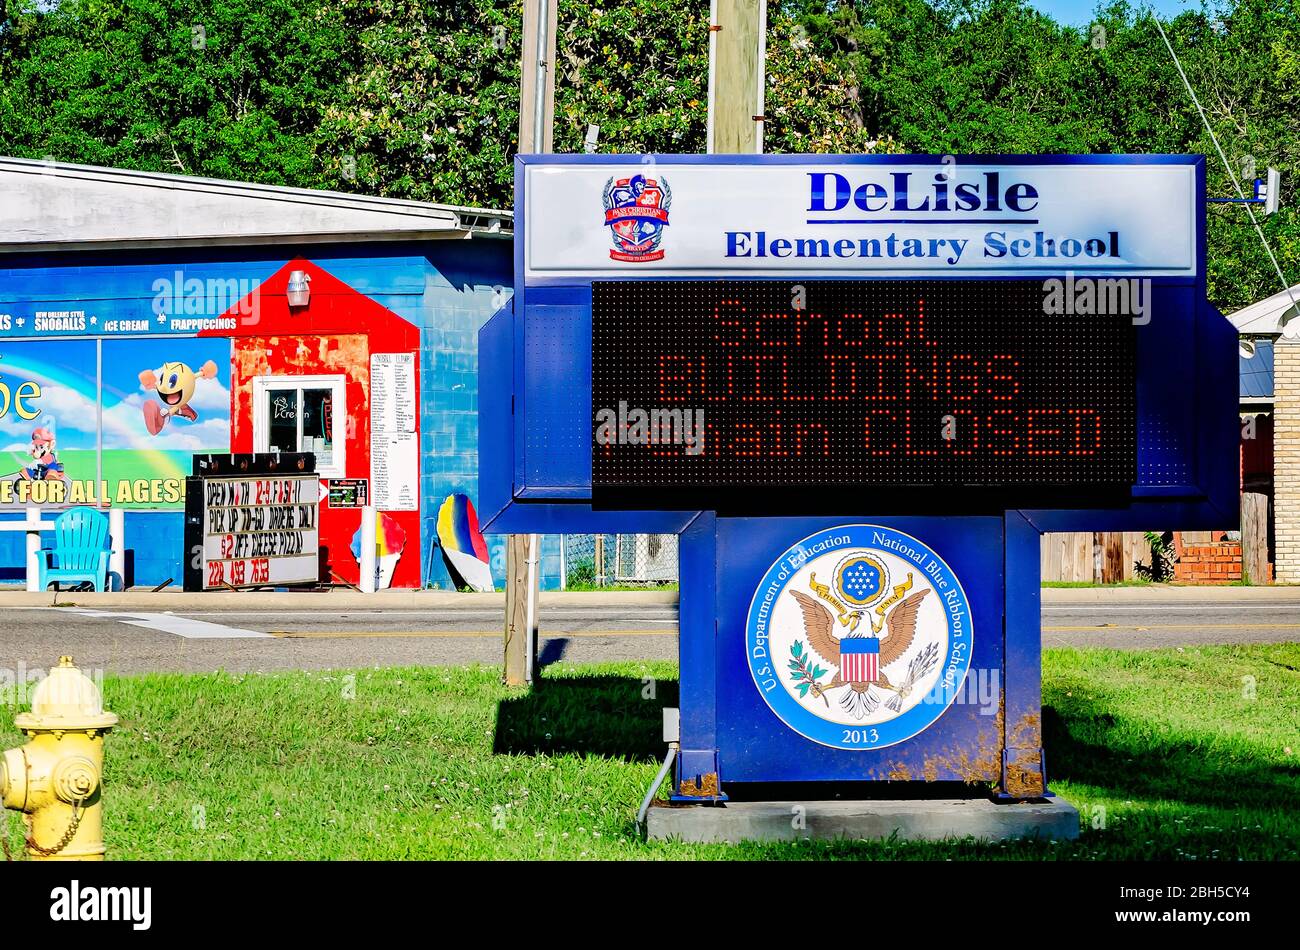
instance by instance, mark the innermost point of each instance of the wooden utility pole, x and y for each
(536, 122)
(737, 44)
(537, 77)
(520, 635)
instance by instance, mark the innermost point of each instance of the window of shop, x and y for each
(301, 414)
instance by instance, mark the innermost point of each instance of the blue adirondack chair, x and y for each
(80, 552)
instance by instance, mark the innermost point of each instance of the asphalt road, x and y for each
(191, 641)
(1133, 626)
(144, 641)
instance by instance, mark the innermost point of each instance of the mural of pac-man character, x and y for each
(174, 383)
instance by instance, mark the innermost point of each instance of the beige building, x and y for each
(1270, 396)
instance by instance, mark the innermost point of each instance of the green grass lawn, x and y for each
(584, 587)
(1168, 754)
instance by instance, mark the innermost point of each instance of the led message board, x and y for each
(735, 384)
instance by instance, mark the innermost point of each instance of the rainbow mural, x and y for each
(91, 398)
(462, 543)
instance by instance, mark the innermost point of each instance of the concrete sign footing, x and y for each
(930, 820)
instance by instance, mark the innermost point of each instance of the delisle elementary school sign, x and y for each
(859, 388)
(793, 217)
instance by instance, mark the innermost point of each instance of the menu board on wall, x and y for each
(395, 470)
(392, 392)
(260, 531)
(394, 442)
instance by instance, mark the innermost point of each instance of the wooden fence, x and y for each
(1107, 557)
(1101, 557)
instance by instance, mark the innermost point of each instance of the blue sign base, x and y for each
(859, 649)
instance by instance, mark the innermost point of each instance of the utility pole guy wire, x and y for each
(1231, 174)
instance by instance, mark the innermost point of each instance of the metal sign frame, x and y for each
(535, 451)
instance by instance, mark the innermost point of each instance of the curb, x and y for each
(344, 599)
(1168, 594)
(329, 601)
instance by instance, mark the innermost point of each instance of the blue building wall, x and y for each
(154, 537)
(446, 288)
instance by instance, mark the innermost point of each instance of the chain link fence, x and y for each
(605, 560)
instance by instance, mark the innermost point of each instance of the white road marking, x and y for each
(458, 616)
(169, 623)
(380, 612)
(1161, 608)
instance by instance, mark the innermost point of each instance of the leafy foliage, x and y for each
(229, 90)
(582, 573)
(803, 669)
(430, 106)
(408, 98)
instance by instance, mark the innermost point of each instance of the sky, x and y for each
(1079, 12)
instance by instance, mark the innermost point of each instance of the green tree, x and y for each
(429, 106)
(995, 76)
(414, 99)
(231, 90)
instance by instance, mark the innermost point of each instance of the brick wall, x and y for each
(1286, 460)
(1218, 562)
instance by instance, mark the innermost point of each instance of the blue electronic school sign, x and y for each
(859, 388)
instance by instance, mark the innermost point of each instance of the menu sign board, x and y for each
(260, 531)
(392, 392)
(394, 442)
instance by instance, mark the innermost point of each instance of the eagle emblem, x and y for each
(859, 700)
(860, 655)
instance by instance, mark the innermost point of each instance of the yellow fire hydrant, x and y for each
(55, 779)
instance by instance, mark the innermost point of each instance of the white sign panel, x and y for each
(717, 220)
(395, 470)
(392, 392)
(261, 531)
(394, 443)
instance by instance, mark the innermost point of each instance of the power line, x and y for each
(1224, 158)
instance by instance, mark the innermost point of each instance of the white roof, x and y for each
(54, 205)
(1267, 316)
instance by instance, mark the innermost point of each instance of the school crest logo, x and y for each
(859, 637)
(636, 213)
